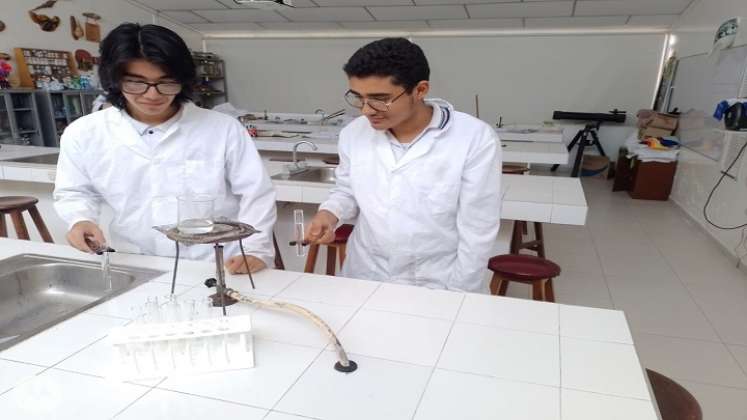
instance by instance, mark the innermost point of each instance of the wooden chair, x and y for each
(15, 206)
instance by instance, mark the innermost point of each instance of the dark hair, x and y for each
(156, 44)
(399, 58)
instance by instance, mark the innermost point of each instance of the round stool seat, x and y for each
(342, 234)
(523, 267)
(16, 203)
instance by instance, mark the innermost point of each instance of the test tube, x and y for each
(298, 232)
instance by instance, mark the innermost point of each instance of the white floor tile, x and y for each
(631, 260)
(590, 365)
(583, 260)
(512, 313)
(62, 395)
(453, 395)
(579, 405)
(167, 405)
(62, 340)
(291, 328)
(277, 367)
(13, 374)
(379, 389)
(583, 289)
(659, 304)
(333, 291)
(726, 311)
(507, 354)
(397, 337)
(694, 360)
(594, 324)
(717, 402)
(414, 300)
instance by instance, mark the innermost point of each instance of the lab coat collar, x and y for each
(123, 131)
(422, 146)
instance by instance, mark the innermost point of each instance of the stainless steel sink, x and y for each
(37, 292)
(41, 159)
(312, 174)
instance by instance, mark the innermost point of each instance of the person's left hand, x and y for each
(236, 265)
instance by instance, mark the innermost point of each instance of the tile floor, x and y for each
(684, 299)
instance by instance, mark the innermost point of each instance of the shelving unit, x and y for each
(211, 88)
(19, 118)
(57, 109)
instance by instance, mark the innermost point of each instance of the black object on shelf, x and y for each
(589, 135)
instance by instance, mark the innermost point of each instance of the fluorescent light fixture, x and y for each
(265, 4)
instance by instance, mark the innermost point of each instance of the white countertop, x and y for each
(532, 198)
(422, 354)
(513, 151)
(530, 132)
(535, 152)
(526, 197)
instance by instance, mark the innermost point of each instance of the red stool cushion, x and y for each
(523, 267)
(343, 233)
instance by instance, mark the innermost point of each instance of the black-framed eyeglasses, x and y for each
(139, 87)
(356, 101)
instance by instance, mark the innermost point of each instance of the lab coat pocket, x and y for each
(442, 199)
(204, 177)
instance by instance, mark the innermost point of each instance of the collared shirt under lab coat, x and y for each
(104, 160)
(432, 217)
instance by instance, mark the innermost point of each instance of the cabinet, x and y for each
(211, 88)
(57, 109)
(19, 118)
(644, 180)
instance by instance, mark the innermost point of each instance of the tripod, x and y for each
(588, 136)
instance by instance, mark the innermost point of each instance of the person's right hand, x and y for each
(322, 228)
(83, 232)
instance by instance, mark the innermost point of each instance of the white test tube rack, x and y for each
(181, 348)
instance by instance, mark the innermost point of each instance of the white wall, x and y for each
(697, 26)
(697, 175)
(523, 78)
(22, 32)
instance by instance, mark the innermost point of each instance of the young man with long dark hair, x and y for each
(154, 145)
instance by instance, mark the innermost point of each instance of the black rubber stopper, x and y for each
(352, 366)
(211, 283)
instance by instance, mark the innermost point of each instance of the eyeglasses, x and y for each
(137, 87)
(356, 101)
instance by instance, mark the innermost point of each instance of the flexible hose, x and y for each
(289, 307)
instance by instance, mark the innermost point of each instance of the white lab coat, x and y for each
(430, 219)
(103, 160)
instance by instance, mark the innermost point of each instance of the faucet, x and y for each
(331, 116)
(296, 166)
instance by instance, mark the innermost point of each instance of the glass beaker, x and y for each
(195, 213)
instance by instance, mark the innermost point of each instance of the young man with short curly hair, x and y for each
(422, 180)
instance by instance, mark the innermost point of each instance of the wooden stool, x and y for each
(520, 227)
(674, 401)
(516, 169)
(15, 206)
(517, 238)
(339, 246)
(279, 264)
(528, 269)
